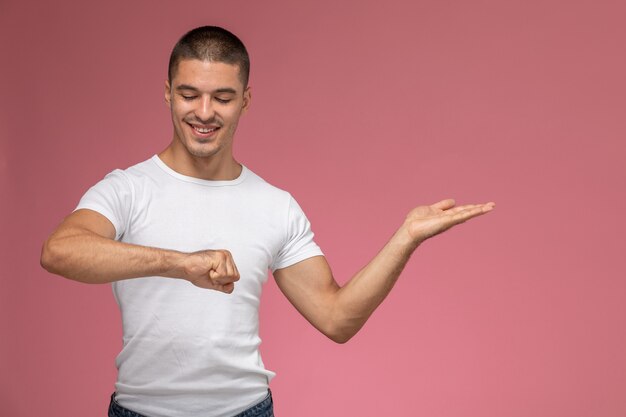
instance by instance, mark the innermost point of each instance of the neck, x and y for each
(214, 168)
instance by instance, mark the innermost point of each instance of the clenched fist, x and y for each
(211, 269)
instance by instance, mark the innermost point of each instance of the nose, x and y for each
(205, 112)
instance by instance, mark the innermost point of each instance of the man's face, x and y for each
(206, 100)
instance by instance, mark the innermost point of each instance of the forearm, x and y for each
(84, 256)
(356, 301)
(340, 312)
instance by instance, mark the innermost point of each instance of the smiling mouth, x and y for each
(204, 130)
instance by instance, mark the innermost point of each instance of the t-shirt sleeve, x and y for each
(112, 197)
(298, 244)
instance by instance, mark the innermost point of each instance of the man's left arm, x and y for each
(339, 312)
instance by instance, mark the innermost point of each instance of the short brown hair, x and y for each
(211, 43)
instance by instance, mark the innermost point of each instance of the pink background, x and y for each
(362, 110)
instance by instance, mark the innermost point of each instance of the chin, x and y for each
(200, 150)
(202, 153)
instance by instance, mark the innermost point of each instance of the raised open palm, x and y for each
(424, 222)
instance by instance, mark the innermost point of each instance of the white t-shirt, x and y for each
(189, 351)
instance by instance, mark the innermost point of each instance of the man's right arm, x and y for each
(83, 249)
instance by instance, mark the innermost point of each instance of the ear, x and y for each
(247, 97)
(168, 93)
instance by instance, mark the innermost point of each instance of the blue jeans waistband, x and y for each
(265, 408)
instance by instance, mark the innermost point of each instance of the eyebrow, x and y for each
(219, 90)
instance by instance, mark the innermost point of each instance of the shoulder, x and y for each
(259, 185)
(122, 182)
(145, 168)
(143, 175)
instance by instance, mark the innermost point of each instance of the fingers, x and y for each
(224, 270)
(228, 288)
(448, 205)
(225, 274)
(463, 213)
(214, 270)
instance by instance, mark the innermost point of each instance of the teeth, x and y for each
(205, 129)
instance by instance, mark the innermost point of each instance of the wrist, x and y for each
(171, 264)
(404, 239)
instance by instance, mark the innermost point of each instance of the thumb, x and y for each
(444, 204)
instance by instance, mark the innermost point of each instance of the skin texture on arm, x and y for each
(83, 249)
(339, 312)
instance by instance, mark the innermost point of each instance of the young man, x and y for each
(194, 215)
